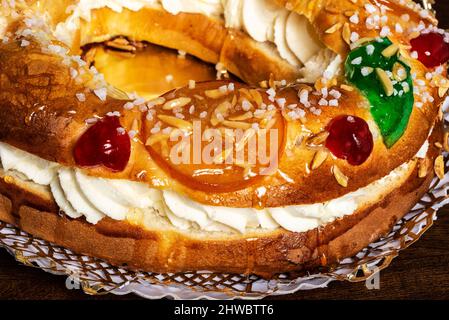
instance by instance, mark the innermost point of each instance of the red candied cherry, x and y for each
(350, 139)
(432, 49)
(105, 143)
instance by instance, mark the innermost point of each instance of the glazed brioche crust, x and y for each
(263, 253)
(40, 114)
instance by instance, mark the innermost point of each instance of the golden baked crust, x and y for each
(265, 254)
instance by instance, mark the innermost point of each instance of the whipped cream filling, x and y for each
(78, 194)
(263, 20)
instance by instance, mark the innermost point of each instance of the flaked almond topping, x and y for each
(346, 34)
(156, 102)
(236, 124)
(385, 81)
(257, 97)
(220, 112)
(317, 139)
(390, 50)
(215, 93)
(439, 167)
(245, 94)
(121, 44)
(268, 124)
(176, 122)
(347, 88)
(440, 81)
(360, 42)
(234, 101)
(176, 103)
(156, 138)
(318, 159)
(399, 72)
(263, 84)
(339, 176)
(442, 91)
(334, 28)
(423, 167)
(438, 145)
(241, 117)
(446, 141)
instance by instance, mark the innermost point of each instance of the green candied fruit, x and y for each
(385, 80)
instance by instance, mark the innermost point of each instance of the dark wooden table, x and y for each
(420, 272)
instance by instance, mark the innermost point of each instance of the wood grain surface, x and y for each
(420, 272)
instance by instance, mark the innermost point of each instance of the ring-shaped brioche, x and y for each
(41, 113)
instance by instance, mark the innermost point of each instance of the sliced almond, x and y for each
(318, 159)
(446, 141)
(176, 122)
(215, 93)
(347, 88)
(423, 167)
(116, 93)
(440, 81)
(399, 72)
(442, 91)
(156, 138)
(385, 81)
(241, 117)
(234, 101)
(318, 139)
(263, 84)
(361, 41)
(339, 176)
(176, 103)
(236, 124)
(438, 145)
(245, 94)
(257, 97)
(223, 109)
(334, 28)
(439, 167)
(390, 51)
(346, 33)
(268, 124)
(156, 102)
(121, 44)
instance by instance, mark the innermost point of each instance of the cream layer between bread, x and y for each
(78, 195)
